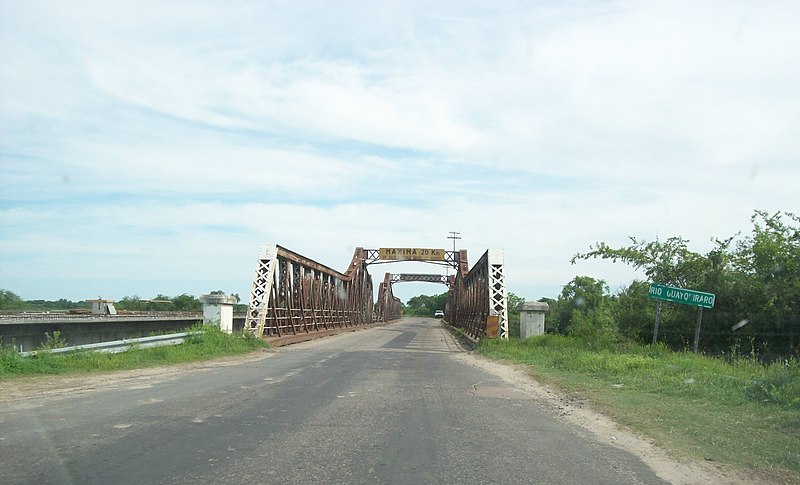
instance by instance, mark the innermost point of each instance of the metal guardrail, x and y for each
(65, 317)
(120, 345)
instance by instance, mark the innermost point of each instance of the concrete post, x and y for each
(531, 318)
(218, 311)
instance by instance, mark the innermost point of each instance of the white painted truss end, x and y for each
(268, 251)
(496, 256)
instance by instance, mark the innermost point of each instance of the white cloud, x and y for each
(165, 142)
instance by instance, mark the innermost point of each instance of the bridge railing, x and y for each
(292, 294)
(478, 302)
(387, 307)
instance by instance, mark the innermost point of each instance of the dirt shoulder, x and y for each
(21, 388)
(576, 411)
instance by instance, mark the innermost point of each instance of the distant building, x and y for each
(102, 307)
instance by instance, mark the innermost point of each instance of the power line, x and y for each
(454, 236)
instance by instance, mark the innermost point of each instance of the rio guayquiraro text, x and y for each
(681, 295)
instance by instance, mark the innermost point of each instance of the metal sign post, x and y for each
(697, 330)
(658, 320)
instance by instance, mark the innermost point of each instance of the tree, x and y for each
(513, 313)
(186, 303)
(667, 262)
(131, 304)
(635, 312)
(766, 269)
(757, 283)
(584, 309)
(10, 300)
(425, 305)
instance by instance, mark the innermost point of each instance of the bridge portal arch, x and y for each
(292, 293)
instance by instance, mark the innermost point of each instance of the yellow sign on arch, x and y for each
(411, 254)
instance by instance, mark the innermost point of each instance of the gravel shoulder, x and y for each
(577, 412)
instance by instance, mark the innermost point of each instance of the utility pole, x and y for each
(453, 235)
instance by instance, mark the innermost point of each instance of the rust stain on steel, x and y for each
(293, 294)
(492, 326)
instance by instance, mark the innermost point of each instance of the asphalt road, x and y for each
(385, 405)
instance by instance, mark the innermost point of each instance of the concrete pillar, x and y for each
(531, 318)
(218, 311)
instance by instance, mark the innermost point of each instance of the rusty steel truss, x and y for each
(454, 259)
(387, 306)
(420, 278)
(292, 294)
(478, 302)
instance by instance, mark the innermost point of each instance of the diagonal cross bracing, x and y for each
(479, 295)
(422, 278)
(293, 294)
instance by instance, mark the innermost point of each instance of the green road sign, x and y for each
(681, 295)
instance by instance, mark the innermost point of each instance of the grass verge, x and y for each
(741, 412)
(211, 342)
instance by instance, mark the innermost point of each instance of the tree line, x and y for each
(425, 305)
(755, 277)
(10, 301)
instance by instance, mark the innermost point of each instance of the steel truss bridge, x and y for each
(293, 294)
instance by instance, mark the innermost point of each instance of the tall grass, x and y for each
(659, 370)
(736, 410)
(208, 343)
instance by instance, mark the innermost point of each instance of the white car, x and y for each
(438, 314)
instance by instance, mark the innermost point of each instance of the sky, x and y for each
(151, 147)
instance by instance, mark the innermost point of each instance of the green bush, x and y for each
(779, 385)
(53, 341)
